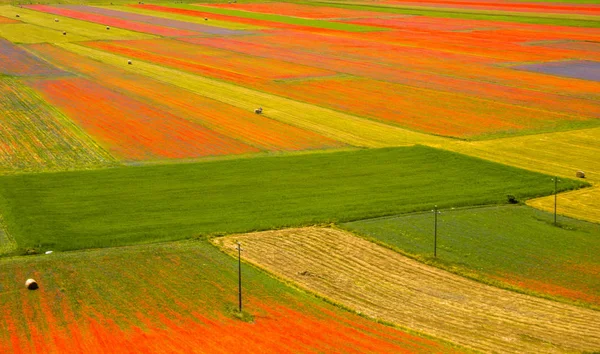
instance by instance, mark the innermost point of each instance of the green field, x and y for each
(86, 209)
(517, 245)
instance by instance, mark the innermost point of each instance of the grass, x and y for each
(540, 19)
(174, 297)
(516, 245)
(120, 206)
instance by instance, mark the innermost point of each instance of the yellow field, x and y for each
(561, 154)
(47, 30)
(336, 125)
(383, 284)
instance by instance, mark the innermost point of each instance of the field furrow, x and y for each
(385, 285)
(34, 135)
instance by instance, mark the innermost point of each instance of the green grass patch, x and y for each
(518, 245)
(537, 18)
(281, 19)
(120, 206)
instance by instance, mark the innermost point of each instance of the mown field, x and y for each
(383, 284)
(561, 261)
(131, 123)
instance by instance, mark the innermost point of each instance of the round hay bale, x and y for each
(18, 15)
(129, 62)
(55, 20)
(580, 174)
(31, 284)
(64, 33)
(107, 27)
(206, 19)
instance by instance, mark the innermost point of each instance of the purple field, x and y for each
(158, 21)
(579, 69)
(18, 62)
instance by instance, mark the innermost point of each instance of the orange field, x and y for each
(131, 129)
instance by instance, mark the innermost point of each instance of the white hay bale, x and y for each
(31, 284)
(580, 174)
(107, 27)
(129, 62)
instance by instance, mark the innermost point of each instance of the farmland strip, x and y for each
(246, 126)
(36, 136)
(113, 22)
(131, 129)
(338, 126)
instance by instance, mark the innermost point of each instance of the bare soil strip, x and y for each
(383, 284)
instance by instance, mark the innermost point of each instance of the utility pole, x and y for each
(239, 248)
(555, 194)
(435, 214)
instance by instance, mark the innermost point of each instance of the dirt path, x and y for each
(386, 285)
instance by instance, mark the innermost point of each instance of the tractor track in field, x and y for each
(383, 284)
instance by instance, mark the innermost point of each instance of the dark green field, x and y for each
(518, 245)
(87, 209)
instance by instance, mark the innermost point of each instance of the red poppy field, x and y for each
(115, 86)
